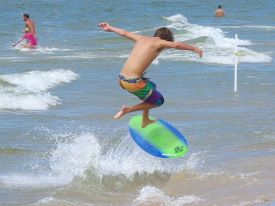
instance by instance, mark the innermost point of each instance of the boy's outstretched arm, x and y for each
(180, 46)
(121, 32)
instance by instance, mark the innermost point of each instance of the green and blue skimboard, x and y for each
(159, 139)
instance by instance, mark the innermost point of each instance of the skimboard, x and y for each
(160, 139)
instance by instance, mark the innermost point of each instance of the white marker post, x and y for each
(236, 65)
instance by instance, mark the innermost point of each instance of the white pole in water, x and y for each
(236, 64)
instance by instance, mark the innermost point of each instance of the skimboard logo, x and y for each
(179, 149)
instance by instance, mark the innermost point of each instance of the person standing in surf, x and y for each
(219, 12)
(131, 77)
(30, 24)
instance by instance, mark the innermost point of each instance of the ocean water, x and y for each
(59, 144)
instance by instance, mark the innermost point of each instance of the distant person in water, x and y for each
(219, 12)
(29, 37)
(30, 24)
(131, 77)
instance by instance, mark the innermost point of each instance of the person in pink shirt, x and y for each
(31, 40)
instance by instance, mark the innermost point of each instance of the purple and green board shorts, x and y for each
(143, 88)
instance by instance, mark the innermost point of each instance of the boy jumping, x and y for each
(131, 77)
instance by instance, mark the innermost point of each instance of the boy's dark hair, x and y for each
(219, 7)
(164, 33)
(26, 15)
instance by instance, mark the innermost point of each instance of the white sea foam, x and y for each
(29, 90)
(14, 59)
(269, 136)
(89, 55)
(39, 80)
(180, 22)
(254, 202)
(217, 47)
(72, 159)
(43, 50)
(45, 200)
(79, 153)
(128, 159)
(259, 27)
(19, 100)
(48, 201)
(68, 160)
(150, 195)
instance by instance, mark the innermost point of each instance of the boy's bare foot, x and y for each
(147, 122)
(124, 110)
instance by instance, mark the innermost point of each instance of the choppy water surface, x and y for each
(59, 144)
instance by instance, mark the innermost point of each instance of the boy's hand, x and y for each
(129, 35)
(199, 52)
(105, 27)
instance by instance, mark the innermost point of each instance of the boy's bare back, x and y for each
(145, 50)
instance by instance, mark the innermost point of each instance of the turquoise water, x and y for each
(58, 142)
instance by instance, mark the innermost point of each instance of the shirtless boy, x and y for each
(131, 77)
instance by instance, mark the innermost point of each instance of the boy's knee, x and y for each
(156, 98)
(160, 101)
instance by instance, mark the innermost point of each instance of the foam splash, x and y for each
(180, 22)
(19, 101)
(258, 27)
(53, 201)
(13, 59)
(29, 90)
(150, 195)
(74, 154)
(72, 159)
(46, 200)
(127, 159)
(217, 47)
(39, 80)
(43, 50)
(68, 160)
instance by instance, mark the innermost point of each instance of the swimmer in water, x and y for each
(31, 40)
(219, 12)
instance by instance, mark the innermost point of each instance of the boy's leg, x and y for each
(127, 109)
(146, 119)
(154, 100)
